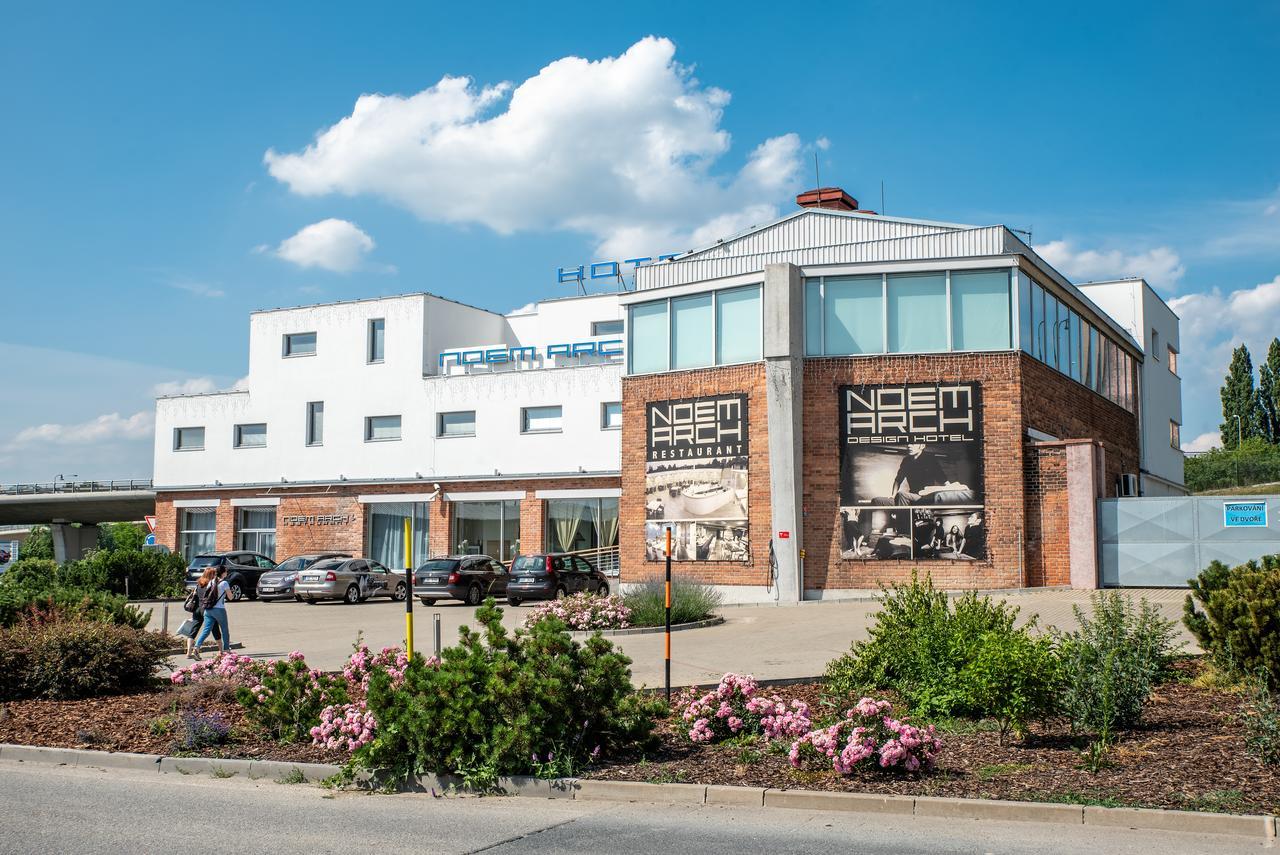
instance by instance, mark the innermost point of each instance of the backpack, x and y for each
(189, 605)
(209, 595)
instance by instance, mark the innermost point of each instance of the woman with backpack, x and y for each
(197, 621)
(211, 590)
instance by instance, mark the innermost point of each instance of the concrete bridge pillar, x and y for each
(71, 542)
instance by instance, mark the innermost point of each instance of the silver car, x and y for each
(352, 580)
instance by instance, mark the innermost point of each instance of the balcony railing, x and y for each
(75, 487)
(604, 558)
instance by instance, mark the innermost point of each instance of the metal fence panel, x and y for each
(1163, 542)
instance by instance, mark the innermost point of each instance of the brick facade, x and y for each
(338, 500)
(1047, 557)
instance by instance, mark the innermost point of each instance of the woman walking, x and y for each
(197, 622)
(211, 591)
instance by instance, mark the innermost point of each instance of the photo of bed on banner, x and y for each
(911, 472)
(695, 478)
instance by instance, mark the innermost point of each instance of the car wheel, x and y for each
(401, 593)
(427, 601)
(603, 590)
(561, 593)
(352, 596)
(297, 598)
(310, 601)
(237, 593)
(514, 601)
(474, 595)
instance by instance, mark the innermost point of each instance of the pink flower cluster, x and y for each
(364, 662)
(867, 735)
(724, 712)
(233, 667)
(584, 612)
(346, 727)
(780, 720)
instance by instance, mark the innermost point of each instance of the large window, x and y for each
(188, 439)
(541, 419)
(917, 313)
(852, 315)
(577, 524)
(256, 530)
(460, 423)
(377, 339)
(198, 531)
(315, 423)
(980, 310)
(251, 436)
(487, 528)
(386, 522)
(381, 428)
(716, 328)
(300, 344)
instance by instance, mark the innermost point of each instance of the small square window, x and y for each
(456, 424)
(540, 419)
(606, 328)
(188, 439)
(611, 415)
(377, 339)
(300, 344)
(251, 436)
(381, 428)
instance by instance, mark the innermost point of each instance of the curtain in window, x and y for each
(566, 517)
(605, 516)
(917, 313)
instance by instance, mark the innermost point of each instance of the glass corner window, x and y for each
(299, 344)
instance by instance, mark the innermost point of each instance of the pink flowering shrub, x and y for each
(232, 667)
(780, 720)
(346, 727)
(350, 725)
(584, 612)
(867, 736)
(288, 697)
(364, 662)
(726, 711)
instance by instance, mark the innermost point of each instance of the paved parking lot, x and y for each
(771, 642)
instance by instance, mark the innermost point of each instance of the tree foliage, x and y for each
(1235, 615)
(1269, 393)
(1240, 398)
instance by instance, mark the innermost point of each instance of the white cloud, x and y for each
(1204, 442)
(621, 149)
(105, 428)
(1160, 266)
(190, 386)
(1246, 227)
(335, 245)
(199, 289)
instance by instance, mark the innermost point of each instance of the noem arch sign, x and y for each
(498, 355)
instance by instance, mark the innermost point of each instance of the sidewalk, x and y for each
(770, 642)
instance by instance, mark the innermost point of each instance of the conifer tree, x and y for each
(1239, 398)
(1269, 393)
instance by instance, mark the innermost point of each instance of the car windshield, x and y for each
(528, 562)
(328, 564)
(439, 564)
(204, 560)
(293, 565)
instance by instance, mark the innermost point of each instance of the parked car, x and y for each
(278, 584)
(546, 576)
(352, 580)
(243, 570)
(469, 578)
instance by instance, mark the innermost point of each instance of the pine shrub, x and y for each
(1235, 615)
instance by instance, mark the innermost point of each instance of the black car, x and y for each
(278, 583)
(243, 570)
(546, 576)
(469, 578)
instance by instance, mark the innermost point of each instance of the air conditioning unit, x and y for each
(1128, 484)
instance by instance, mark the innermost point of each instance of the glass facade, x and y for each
(256, 530)
(715, 328)
(917, 306)
(487, 528)
(577, 524)
(980, 312)
(198, 532)
(386, 522)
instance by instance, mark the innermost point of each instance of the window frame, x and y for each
(242, 530)
(312, 438)
(440, 434)
(1175, 435)
(604, 415)
(286, 342)
(1172, 360)
(666, 302)
(370, 329)
(368, 428)
(177, 438)
(524, 419)
(237, 435)
(596, 332)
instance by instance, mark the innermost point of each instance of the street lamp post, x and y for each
(1239, 440)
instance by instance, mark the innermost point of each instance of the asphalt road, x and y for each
(62, 809)
(770, 642)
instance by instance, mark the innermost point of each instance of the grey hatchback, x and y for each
(352, 581)
(548, 576)
(469, 578)
(278, 584)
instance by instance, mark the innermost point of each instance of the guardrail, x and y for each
(75, 487)
(604, 558)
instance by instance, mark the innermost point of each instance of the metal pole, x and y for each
(164, 619)
(667, 644)
(408, 591)
(435, 631)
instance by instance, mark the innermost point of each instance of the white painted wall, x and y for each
(1137, 308)
(405, 384)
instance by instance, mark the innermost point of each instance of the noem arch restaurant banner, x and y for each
(696, 452)
(911, 472)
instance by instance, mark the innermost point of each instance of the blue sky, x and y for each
(142, 217)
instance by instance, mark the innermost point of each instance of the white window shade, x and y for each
(691, 331)
(738, 325)
(917, 313)
(980, 310)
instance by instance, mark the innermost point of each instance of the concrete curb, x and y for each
(1257, 827)
(647, 630)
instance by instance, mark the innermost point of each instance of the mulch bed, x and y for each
(1188, 754)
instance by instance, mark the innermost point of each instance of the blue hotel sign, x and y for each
(1244, 514)
(604, 269)
(498, 355)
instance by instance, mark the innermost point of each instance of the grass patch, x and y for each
(219, 772)
(670, 776)
(996, 770)
(294, 776)
(1216, 801)
(690, 601)
(963, 726)
(1070, 797)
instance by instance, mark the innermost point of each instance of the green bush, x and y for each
(126, 536)
(1261, 720)
(37, 584)
(288, 700)
(690, 601)
(1235, 615)
(65, 659)
(923, 646)
(142, 575)
(1111, 663)
(34, 573)
(1013, 678)
(1256, 462)
(496, 702)
(39, 543)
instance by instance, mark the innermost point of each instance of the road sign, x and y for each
(1244, 514)
(150, 541)
(151, 523)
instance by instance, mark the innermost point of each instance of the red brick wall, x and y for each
(638, 391)
(1047, 556)
(1002, 470)
(341, 499)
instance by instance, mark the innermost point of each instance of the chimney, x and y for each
(827, 197)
